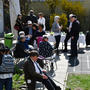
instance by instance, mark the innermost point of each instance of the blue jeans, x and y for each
(7, 83)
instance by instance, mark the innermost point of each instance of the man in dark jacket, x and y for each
(32, 17)
(74, 35)
(33, 72)
(68, 36)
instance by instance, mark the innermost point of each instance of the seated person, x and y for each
(33, 72)
(21, 47)
(45, 48)
(23, 33)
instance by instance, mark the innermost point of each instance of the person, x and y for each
(19, 23)
(74, 35)
(45, 48)
(68, 33)
(56, 28)
(41, 20)
(29, 32)
(32, 17)
(40, 32)
(6, 70)
(33, 72)
(21, 47)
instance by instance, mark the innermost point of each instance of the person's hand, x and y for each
(44, 71)
(72, 37)
(44, 77)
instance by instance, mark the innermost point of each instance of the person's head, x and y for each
(40, 15)
(34, 55)
(29, 23)
(41, 26)
(2, 50)
(73, 18)
(21, 33)
(31, 12)
(22, 38)
(56, 18)
(70, 16)
(34, 26)
(45, 38)
(19, 16)
(7, 50)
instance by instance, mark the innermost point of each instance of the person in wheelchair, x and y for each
(45, 48)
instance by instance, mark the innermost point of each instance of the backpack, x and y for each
(7, 65)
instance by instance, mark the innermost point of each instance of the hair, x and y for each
(34, 25)
(45, 37)
(40, 14)
(7, 50)
(33, 53)
(41, 25)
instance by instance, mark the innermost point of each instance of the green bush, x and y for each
(63, 20)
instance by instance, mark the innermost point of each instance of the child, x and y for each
(6, 70)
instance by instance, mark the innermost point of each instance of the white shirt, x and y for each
(42, 21)
(36, 68)
(5, 76)
(70, 26)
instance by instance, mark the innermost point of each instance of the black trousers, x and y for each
(49, 84)
(74, 46)
(57, 38)
(66, 40)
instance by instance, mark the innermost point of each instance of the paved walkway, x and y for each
(60, 74)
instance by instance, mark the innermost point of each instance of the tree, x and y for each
(76, 8)
(52, 4)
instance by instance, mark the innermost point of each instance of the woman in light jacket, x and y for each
(56, 28)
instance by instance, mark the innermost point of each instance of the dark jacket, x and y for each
(75, 28)
(45, 49)
(19, 23)
(40, 34)
(29, 70)
(20, 50)
(32, 18)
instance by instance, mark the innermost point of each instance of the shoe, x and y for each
(64, 50)
(58, 88)
(70, 56)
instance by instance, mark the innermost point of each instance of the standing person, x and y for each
(74, 35)
(6, 70)
(33, 72)
(32, 17)
(68, 36)
(19, 23)
(56, 28)
(41, 20)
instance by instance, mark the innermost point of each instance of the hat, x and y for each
(31, 11)
(29, 22)
(21, 32)
(71, 15)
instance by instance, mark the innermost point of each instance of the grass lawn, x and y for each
(78, 81)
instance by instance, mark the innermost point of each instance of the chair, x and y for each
(50, 63)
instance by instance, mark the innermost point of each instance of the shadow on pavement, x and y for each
(73, 62)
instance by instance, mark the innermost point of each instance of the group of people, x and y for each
(34, 30)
